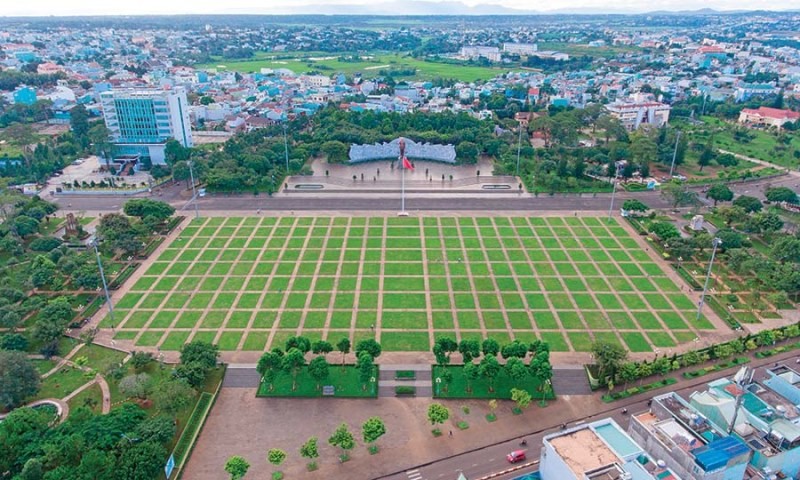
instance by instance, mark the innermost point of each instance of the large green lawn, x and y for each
(345, 380)
(251, 283)
(330, 64)
(500, 386)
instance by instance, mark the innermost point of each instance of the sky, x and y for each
(155, 7)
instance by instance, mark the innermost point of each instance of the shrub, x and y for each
(462, 425)
(405, 390)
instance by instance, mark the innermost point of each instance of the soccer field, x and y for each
(250, 283)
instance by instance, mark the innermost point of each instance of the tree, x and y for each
(437, 413)
(521, 397)
(200, 352)
(608, 357)
(140, 360)
(321, 347)
(542, 370)
(24, 225)
(194, 373)
(52, 320)
(144, 207)
(79, 121)
(335, 151)
(276, 456)
(299, 342)
(172, 396)
(18, 379)
(343, 439)
(720, 192)
(490, 347)
(100, 138)
(706, 156)
(366, 369)
(634, 205)
(664, 230)
(140, 460)
(471, 373)
(516, 370)
(373, 429)
(136, 385)
(515, 349)
(370, 346)
(343, 347)
(678, 195)
(292, 362)
(268, 366)
(469, 349)
(310, 450)
(489, 368)
(236, 467)
(13, 341)
(748, 203)
(159, 429)
(33, 470)
(786, 249)
(768, 222)
(318, 369)
(446, 346)
(781, 194)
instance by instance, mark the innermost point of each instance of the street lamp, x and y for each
(194, 193)
(716, 242)
(105, 285)
(674, 154)
(613, 192)
(519, 145)
(285, 148)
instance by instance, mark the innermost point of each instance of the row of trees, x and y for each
(371, 431)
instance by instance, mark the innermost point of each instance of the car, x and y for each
(516, 456)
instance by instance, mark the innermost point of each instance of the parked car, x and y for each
(516, 456)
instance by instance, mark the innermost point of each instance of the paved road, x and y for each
(570, 381)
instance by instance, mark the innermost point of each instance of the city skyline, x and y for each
(153, 7)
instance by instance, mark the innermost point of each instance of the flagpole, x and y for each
(403, 189)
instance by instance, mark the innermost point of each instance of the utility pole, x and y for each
(519, 145)
(105, 285)
(286, 148)
(716, 242)
(194, 193)
(675, 154)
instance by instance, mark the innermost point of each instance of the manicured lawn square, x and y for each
(512, 301)
(464, 301)
(636, 342)
(296, 300)
(169, 254)
(349, 269)
(403, 284)
(324, 284)
(188, 319)
(574, 285)
(262, 268)
(556, 341)
(341, 319)
(645, 285)
(657, 301)
(405, 341)
(587, 269)
(544, 269)
(545, 321)
(366, 319)
(571, 320)
(347, 284)
(506, 284)
(150, 338)
(608, 337)
(248, 300)
(480, 270)
(178, 268)
(152, 300)
(648, 321)
(240, 268)
(565, 269)
(621, 320)
(597, 284)
(494, 320)
(328, 268)
(265, 319)
(584, 301)
(683, 337)
(204, 336)
(673, 320)
(661, 339)
(256, 284)
(560, 301)
(278, 284)
(620, 285)
(129, 301)
(255, 341)
(703, 323)
(516, 255)
(598, 255)
(238, 319)
(213, 319)
(488, 301)
(580, 341)
(229, 340)
(371, 269)
(137, 319)
(199, 268)
(460, 284)
(522, 270)
(682, 302)
(557, 255)
(665, 284)
(501, 269)
(175, 340)
(315, 319)
(157, 268)
(436, 269)
(549, 243)
(483, 284)
(502, 337)
(320, 300)
(519, 320)
(290, 319)
(651, 268)
(552, 285)
(440, 301)
(569, 242)
(442, 320)
(404, 320)
(404, 301)
(221, 268)
(257, 243)
(162, 319)
(224, 300)
(369, 284)
(619, 256)
(631, 269)
(578, 256)
(537, 301)
(609, 243)
(126, 334)
(211, 284)
(200, 301)
(609, 269)
(468, 320)
(595, 320)
(633, 301)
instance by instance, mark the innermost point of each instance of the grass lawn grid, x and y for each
(466, 276)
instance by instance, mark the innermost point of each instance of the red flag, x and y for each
(407, 164)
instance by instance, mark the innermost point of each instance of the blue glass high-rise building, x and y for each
(141, 121)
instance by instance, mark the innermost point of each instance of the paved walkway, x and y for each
(791, 172)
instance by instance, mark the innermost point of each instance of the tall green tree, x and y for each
(342, 438)
(310, 451)
(236, 467)
(373, 429)
(18, 379)
(608, 357)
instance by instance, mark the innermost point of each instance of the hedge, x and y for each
(777, 350)
(608, 398)
(151, 247)
(405, 375)
(173, 222)
(722, 312)
(715, 368)
(687, 276)
(192, 427)
(122, 276)
(405, 390)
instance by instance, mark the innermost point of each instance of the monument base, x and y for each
(402, 214)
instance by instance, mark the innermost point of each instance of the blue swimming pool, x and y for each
(529, 476)
(618, 441)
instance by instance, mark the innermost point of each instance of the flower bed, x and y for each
(608, 398)
(715, 368)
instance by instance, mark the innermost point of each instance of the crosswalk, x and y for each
(414, 474)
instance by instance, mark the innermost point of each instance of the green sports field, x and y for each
(250, 283)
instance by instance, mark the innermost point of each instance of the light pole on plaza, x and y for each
(105, 285)
(716, 242)
(613, 192)
(519, 145)
(194, 193)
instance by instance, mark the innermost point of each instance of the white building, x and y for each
(636, 112)
(141, 121)
(475, 52)
(520, 48)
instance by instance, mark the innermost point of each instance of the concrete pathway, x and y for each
(791, 172)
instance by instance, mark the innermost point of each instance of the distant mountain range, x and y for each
(421, 7)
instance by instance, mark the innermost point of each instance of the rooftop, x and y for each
(583, 451)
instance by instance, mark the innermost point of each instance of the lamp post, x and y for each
(285, 148)
(194, 193)
(613, 192)
(519, 146)
(674, 154)
(105, 285)
(716, 242)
